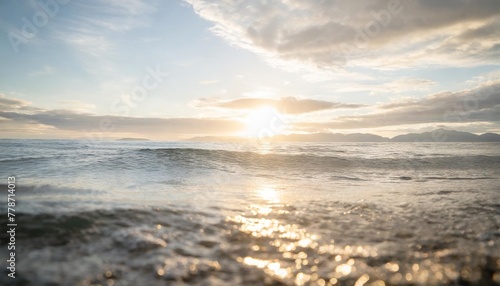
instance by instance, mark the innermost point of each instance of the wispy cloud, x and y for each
(287, 105)
(77, 106)
(207, 82)
(94, 25)
(45, 70)
(88, 43)
(10, 103)
(397, 86)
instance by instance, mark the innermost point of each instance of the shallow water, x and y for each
(154, 213)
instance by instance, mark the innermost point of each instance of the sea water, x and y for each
(163, 213)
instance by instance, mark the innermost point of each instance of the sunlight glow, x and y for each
(264, 122)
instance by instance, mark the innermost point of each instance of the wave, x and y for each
(131, 229)
(459, 178)
(25, 159)
(190, 156)
(424, 178)
(347, 178)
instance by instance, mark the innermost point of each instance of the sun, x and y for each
(269, 194)
(263, 122)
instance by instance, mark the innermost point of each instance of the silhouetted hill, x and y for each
(490, 137)
(132, 139)
(438, 135)
(216, 139)
(444, 135)
(330, 137)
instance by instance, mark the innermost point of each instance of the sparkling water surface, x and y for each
(158, 213)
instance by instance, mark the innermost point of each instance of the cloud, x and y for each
(17, 105)
(89, 124)
(381, 34)
(90, 44)
(472, 108)
(287, 105)
(488, 31)
(396, 86)
(45, 70)
(77, 105)
(94, 24)
(82, 122)
(18, 117)
(480, 104)
(8, 103)
(207, 82)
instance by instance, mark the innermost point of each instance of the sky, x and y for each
(177, 69)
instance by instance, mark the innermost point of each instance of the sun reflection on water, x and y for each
(269, 195)
(287, 251)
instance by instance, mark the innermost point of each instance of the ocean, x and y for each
(174, 213)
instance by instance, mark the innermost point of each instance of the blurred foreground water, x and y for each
(155, 213)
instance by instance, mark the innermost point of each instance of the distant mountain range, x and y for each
(132, 139)
(438, 135)
(443, 135)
